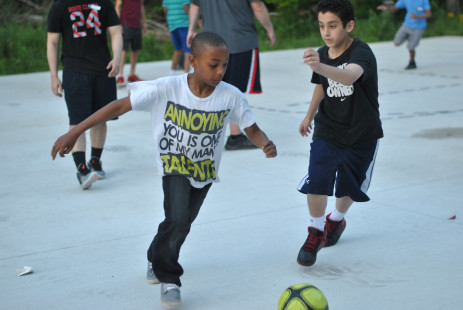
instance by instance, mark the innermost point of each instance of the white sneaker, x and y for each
(170, 295)
(150, 276)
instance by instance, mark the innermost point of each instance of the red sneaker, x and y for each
(120, 81)
(133, 78)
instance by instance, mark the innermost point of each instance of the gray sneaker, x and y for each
(95, 165)
(239, 142)
(150, 276)
(170, 295)
(86, 180)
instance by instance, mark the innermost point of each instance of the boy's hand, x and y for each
(114, 66)
(312, 58)
(56, 86)
(63, 145)
(269, 149)
(305, 127)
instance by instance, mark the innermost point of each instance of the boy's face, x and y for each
(332, 30)
(211, 64)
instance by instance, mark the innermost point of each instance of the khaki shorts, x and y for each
(413, 35)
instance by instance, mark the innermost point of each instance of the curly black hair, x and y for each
(342, 8)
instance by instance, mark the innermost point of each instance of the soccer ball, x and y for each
(302, 296)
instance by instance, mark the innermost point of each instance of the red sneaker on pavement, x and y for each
(120, 81)
(133, 78)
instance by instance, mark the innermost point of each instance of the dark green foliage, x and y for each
(23, 47)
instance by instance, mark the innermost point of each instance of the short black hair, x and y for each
(206, 38)
(342, 8)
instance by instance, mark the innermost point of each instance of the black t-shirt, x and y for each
(349, 115)
(83, 25)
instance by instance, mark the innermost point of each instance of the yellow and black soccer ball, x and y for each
(302, 296)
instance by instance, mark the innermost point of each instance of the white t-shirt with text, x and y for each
(189, 132)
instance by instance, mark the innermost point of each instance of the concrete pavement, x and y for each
(88, 248)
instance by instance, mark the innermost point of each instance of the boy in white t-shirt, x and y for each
(189, 117)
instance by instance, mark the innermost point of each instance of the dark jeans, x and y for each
(181, 206)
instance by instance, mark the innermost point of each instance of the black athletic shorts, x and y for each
(132, 37)
(243, 71)
(86, 93)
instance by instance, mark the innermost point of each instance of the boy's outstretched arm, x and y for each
(65, 143)
(346, 76)
(259, 138)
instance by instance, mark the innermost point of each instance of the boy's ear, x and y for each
(192, 60)
(350, 26)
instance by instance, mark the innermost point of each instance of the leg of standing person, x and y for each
(133, 61)
(183, 32)
(178, 37)
(120, 77)
(78, 94)
(104, 91)
(400, 37)
(413, 41)
(125, 48)
(175, 59)
(242, 72)
(182, 203)
(186, 62)
(136, 41)
(98, 137)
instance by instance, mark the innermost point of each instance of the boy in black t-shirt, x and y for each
(347, 127)
(88, 70)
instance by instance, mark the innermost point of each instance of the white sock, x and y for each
(336, 216)
(173, 72)
(318, 222)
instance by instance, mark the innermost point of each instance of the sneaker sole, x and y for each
(305, 265)
(153, 281)
(94, 177)
(171, 304)
(237, 148)
(101, 174)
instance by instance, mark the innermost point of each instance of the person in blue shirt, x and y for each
(412, 29)
(177, 19)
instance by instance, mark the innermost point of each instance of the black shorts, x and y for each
(132, 38)
(243, 71)
(86, 93)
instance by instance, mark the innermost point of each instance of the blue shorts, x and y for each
(348, 169)
(86, 93)
(179, 39)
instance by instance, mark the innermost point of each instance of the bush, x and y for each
(23, 48)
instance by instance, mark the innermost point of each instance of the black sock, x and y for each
(96, 152)
(79, 159)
